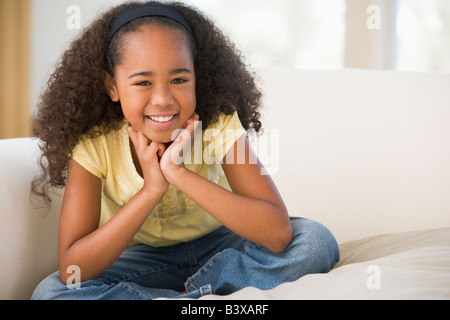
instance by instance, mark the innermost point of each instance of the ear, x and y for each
(110, 86)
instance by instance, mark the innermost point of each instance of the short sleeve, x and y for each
(89, 153)
(220, 137)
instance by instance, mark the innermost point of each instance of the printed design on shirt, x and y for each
(173, 204)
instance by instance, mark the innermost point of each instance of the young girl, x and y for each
(138, 220)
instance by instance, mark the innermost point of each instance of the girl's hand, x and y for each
(148, 154)
(173, 157)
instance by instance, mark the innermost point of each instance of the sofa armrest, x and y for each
(28, 231)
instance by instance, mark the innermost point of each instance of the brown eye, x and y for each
(179, 81)
(143, 83)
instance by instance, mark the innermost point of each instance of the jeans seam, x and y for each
(135, 276)
(192, 262)
(189, 285)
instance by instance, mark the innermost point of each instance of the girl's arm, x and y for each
(81, 242)
(254, 210)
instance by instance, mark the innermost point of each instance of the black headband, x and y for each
(147, 10)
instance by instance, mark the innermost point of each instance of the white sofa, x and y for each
(367, 153)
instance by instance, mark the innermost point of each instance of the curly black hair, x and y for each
(76, 103)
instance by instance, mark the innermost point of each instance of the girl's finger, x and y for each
(133, 135)
(143, 142)
(157, 149)
(191, 119)
(161, 149)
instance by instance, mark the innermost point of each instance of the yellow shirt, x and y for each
(176, 218)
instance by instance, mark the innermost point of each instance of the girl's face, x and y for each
(155, 81)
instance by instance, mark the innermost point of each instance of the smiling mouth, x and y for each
(161, 119)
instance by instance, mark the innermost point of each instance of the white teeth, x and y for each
(162, 119)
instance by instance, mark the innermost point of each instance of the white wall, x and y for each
(51, 34)
(370, 34)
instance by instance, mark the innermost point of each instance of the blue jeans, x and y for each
(218, 263)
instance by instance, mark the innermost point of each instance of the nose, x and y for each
(161, 96)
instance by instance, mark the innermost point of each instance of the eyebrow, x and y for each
(150, 73)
